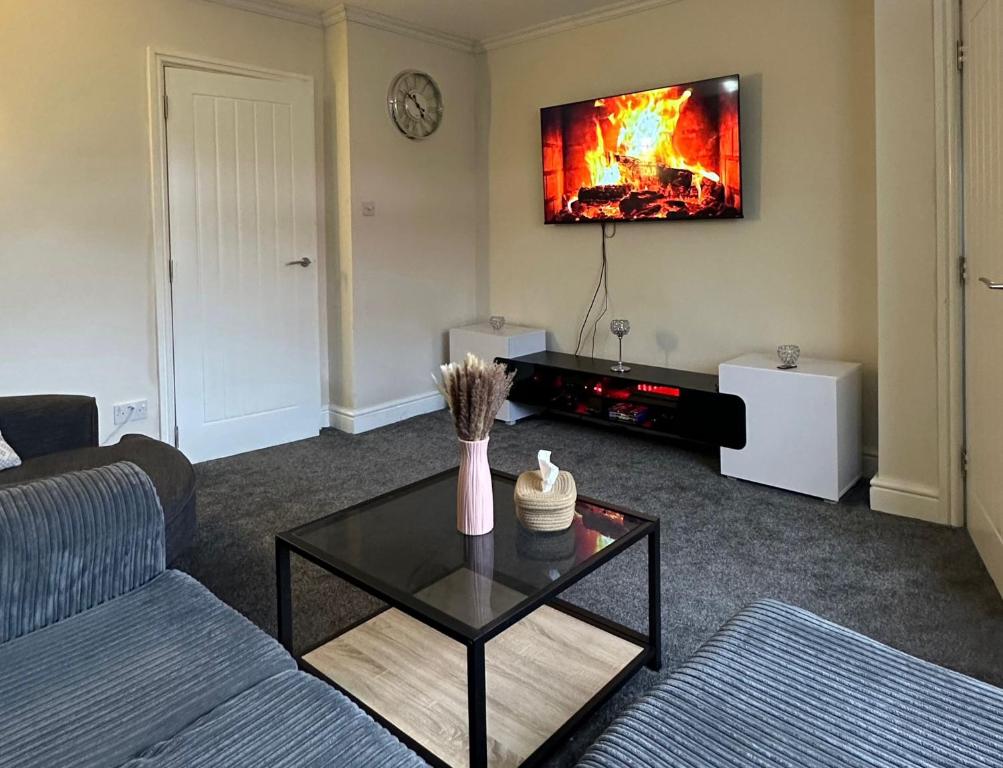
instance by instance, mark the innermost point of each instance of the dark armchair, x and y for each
(54, 434)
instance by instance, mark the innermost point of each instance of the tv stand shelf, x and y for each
(663, 401)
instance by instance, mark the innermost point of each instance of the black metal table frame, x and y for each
(475, 639)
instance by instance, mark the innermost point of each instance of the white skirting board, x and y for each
(989, 542)
(365, 419)
(898, 497)
(356, 420)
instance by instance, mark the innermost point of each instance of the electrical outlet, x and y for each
(134, 410)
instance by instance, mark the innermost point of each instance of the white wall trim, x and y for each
(156, 89)
(907, 499)
(356, 420)
(989, 542)
(347, 12)
(565, 23)
(950, 289)
(157, 62)
(275, 9)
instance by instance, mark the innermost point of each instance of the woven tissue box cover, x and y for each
(551, 511)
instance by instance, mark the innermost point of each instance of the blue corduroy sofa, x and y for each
(778, 687)
(108, 659)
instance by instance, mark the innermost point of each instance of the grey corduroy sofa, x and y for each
(108, 659)
(778, 687)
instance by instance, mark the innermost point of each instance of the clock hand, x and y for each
(417, 104)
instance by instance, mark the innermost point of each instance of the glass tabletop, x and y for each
(404, 546)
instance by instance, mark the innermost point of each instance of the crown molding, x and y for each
(275, 9)
(566, 23)
(347, 12)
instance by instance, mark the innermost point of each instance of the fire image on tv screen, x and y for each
(667, 153)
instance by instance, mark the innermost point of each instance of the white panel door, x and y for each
(242, 197)
(983, 130)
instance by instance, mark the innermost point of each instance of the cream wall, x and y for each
(76, 271)
(799, 268)
(458, 234)
(407, 274)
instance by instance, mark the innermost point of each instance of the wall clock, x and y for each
(415, 104)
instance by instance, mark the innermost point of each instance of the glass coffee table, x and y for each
(475, 660)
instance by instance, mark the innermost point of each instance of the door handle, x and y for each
(305, 262)
(990, 284)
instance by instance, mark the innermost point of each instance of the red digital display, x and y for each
(658, 389)
(613, 394)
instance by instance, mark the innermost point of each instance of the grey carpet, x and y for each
(916, 586)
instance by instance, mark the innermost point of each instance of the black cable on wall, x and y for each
(601, 285)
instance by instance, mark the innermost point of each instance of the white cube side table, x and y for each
(487, 343)
(802, 425)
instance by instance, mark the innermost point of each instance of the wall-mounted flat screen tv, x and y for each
(667, 153)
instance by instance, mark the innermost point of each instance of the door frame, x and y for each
(158, 60)
(949, 170)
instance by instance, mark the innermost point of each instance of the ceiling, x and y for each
(472, 19)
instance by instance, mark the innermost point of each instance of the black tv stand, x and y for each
(660, 401)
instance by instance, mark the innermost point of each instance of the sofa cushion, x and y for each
(170, 471)
(290, 720)
(100, 687)
(779, 686)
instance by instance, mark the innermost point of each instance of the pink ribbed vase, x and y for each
(475, 501)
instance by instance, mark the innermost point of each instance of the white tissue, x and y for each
(548, 471)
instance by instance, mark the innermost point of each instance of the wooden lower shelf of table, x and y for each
(538, 674)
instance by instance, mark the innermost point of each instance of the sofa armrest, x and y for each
(35, 425)
(71, 542)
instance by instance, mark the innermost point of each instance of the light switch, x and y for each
(369, 208)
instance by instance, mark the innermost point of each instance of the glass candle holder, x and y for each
(620, 328)
(789, 355)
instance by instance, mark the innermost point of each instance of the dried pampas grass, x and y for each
(474, 391)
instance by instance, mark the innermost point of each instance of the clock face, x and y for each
(415, 104)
